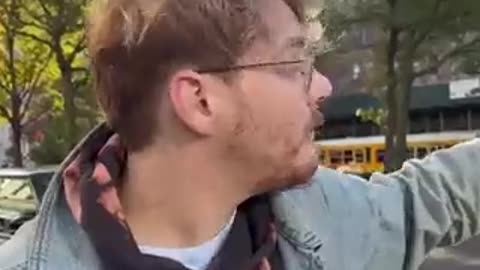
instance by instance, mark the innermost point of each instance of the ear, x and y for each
(192, 101)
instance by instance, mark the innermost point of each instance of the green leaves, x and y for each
(376, 116)
(25, 66)
(44, 68)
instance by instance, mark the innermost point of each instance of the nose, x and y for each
(321, 87)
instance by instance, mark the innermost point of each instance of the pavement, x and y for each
(463, 257)
(3, 237)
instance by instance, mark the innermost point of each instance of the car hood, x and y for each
(12, 209)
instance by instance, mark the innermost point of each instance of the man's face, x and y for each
(275, 107)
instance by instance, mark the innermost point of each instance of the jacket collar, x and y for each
(58, 236)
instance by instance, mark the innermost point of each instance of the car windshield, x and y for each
(16, 189)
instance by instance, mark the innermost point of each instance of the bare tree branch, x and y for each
(37, 117)
(80, 46)
(34, 82)
(447, 56)
(26, 104)
(80, 69)
(28, 78)
(45, 8)
(431, 23)
(4, 112)
(39, 20)
(32, 88)
(36, 38)
(3, 86)
(32, 24)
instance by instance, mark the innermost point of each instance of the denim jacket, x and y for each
(336, 222)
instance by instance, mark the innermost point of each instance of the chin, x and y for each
(298, 176)
(303, 173)
(288, 171)
(299, 172)
(306, 165)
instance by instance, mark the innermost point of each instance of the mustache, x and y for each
(318, 119)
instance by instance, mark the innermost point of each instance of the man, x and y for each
(211, 106)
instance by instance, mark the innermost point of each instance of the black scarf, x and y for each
(96, 175)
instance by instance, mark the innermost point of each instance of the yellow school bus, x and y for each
(365, 155)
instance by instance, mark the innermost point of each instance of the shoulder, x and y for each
(333, 198)
(336, 191)
(344, 214)
(14, 252)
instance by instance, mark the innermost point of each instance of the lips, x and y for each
(318, 119)
(317, 122)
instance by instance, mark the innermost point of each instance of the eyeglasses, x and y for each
(307, 69)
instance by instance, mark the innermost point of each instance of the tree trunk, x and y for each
(390, 131)
(17, 144)
(405, 75)
(391, 51)
(70, 110)
(68, 95)
(16, 126)
(15, 101)
(402, 123)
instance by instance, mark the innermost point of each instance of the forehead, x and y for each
(285, 33)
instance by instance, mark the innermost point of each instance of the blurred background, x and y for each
(406, 76)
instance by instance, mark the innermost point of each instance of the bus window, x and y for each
(421, 152)
(348, 156)
(368, 154)
(380, 155)
(359, 156)
(336, 157)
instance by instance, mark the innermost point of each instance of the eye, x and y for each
(290, 71)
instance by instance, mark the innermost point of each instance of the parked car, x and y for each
(21, 192)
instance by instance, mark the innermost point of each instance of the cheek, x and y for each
(280, 117)
(284, 125)
(281, 108)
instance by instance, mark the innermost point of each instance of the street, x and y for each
(3, 237)
(463, 257)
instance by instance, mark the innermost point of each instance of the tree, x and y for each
(49, 141)
(60, 26)
(374, 115)
(470, 64)
(50, 147)
(23, 70)
(414, 39)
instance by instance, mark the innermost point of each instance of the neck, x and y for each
(178, 198)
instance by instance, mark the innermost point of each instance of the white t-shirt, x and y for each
(197, 257)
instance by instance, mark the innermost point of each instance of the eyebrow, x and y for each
(291, 46)
(296, 42)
